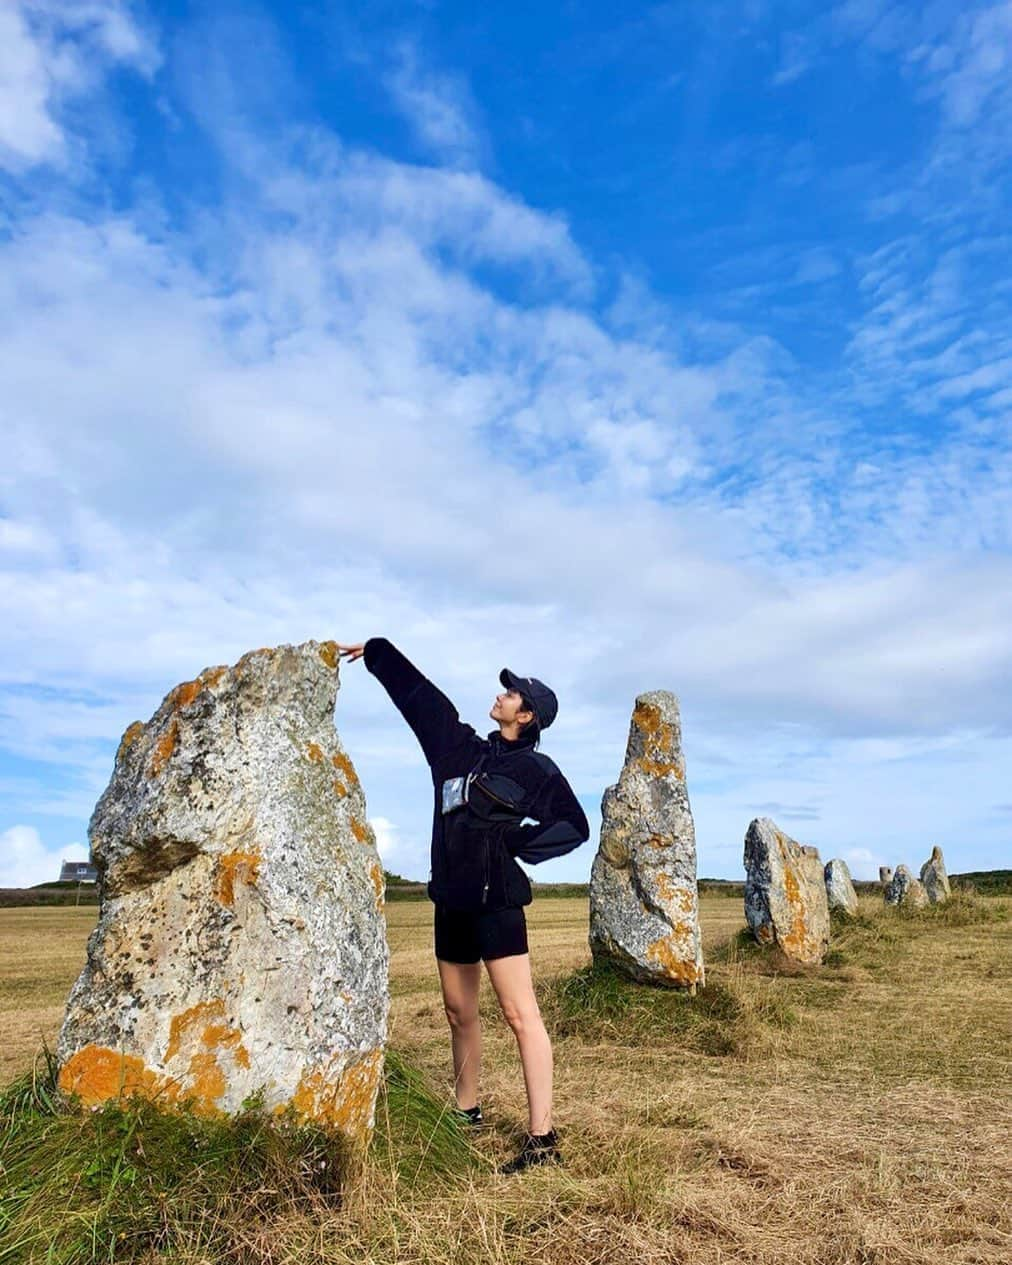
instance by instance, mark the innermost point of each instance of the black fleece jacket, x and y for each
(474, 846)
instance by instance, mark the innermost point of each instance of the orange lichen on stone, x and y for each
(797, 940)
(243, 867)
(95, 1074)
(130, 736)
(212, 676)
(164, 748)
(179, 1026)
(360, 832)
(376, 874)
(345, 1103)
(328, 653)
(661, 768)
(205, 1027)
(666, 953)
(183, 695)
(206, 1079)
(677, 896)
(342, 763)
(664, 888)
(659, 742)
(647, 719)
(340, 789)
(315, 753)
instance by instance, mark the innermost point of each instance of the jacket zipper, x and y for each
(484, 890)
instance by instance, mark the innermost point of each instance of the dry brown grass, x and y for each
(873, 1128)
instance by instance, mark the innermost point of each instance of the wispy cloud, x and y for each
(367, 396)
(52, 54)
(438, 107)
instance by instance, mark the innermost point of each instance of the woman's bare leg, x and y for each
(460, 983)
(511, 979)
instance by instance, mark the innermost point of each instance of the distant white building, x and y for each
(78, 872)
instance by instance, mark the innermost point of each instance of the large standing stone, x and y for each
(839, 886)
(785, 893)
(885, 874)
(934, 878)
(240, 946)
(644, 912)
(904, 889)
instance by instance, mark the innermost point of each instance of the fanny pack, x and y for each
(490, 796)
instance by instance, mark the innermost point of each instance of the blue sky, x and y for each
(659, 349)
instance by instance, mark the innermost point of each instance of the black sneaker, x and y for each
(537, 1149)
(470, 1116)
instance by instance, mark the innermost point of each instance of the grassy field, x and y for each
(854, 1113)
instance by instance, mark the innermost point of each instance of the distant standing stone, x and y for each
(935, 879)
(885, 873)
(785, 893)
(839, 886)
(241, 945)
(644, 912)
(904, 889)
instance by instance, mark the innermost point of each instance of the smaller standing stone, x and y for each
(885, 874)
(839, 886)
(785, 893)
(935, 879)
(904, 889)
(644, 909)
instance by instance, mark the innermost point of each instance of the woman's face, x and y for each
(509, 707)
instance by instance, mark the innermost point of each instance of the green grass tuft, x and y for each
(133, 1181)
(599, 1002)
(417, 1135)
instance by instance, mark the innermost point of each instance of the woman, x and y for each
(496, 799)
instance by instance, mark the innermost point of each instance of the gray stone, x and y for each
(839, 886)
(644, 913)
(241, 945)
(935, 879)
(904, 889)
(785, 893)
(885, 873)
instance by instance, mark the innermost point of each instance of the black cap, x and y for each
(546, 705)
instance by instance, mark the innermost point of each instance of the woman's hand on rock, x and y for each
(351, 653)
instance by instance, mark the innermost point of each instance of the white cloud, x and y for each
(27, 133)
(386, 836)
(338, 426)
(25, 860)
(53, 54)
(438, 107)
(973, 72)
(863, 863)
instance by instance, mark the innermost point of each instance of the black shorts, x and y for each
(465, 937)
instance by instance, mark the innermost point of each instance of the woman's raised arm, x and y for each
(432, 717)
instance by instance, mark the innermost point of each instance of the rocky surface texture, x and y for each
(644, 913)
(934, 878)
(840, 887)
(785, 893)
(241, 945)
(904, 889)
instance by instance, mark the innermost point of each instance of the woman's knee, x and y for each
(460, 1015)
(522, 1017)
